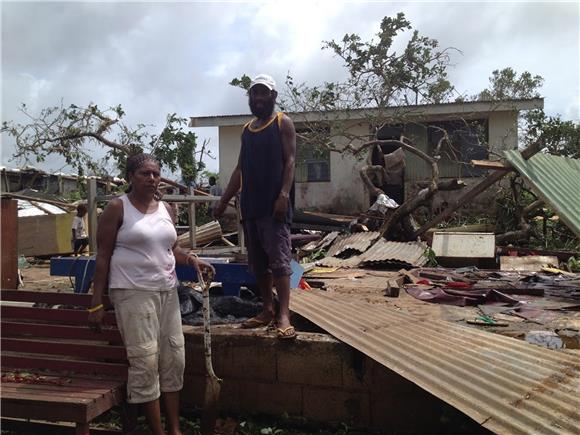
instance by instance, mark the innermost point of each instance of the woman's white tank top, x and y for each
(143, 255)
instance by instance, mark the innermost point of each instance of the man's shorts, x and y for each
(81, 244)
(269, 248)
(150, 324)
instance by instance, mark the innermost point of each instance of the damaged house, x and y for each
(330, 181)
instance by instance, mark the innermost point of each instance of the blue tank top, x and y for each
(262, 164)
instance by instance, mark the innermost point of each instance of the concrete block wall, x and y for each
(314, 377)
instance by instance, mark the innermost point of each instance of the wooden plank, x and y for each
(491, 164)
(531, 263)
(9, 243)
(59, 331)
(52, 411)
(62, 348)
(52, 315)
(68, 365)
(27, 405)
(75, 380)
(52, 392)
(50, 399)
(83, 300)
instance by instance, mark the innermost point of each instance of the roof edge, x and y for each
(460, 108)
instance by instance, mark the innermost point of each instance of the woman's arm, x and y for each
(109, 223)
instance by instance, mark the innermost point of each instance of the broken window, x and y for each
(467, 141)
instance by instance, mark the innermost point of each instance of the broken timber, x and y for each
(476, 190)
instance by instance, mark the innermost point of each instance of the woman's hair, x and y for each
(134, 162)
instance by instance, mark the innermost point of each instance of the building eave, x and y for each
(465, 109)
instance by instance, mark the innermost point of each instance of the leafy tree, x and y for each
(73, 131)
(518, 208)
(379, 77)
(506, 85)
(560, 137)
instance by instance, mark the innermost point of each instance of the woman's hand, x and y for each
(96, 316)
(202, 267)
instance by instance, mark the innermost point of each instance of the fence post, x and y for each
(192, 227)
(92, 213)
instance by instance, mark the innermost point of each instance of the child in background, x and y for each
(80, 238)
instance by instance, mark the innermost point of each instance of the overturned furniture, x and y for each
(54, 367)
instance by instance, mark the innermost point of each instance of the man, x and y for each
(265, 174)
(214, 190)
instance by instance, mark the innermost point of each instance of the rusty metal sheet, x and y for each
(507, 385)
(383, 251)
(359, 242)
(556, 180)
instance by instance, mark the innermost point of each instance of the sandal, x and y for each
(286, 333)
(255, 322)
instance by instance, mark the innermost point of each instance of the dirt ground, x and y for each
(37, 277)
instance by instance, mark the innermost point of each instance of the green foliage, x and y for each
(381, 76)
(573, 264)
(378, 77)
(243, 82)
(560, 137)
(506, 85)
(73, 131)
(547, 230)
(431, 258)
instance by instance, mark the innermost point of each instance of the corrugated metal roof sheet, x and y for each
(27, 208)
(399, 254)
(411, 253)
(321, 244)
(556, 180)
(339, 262)
(506, 385)
(357, 242)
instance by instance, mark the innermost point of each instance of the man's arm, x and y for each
(288, 136)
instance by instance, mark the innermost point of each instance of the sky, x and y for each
(156, 58)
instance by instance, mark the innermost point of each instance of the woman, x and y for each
(136, 256)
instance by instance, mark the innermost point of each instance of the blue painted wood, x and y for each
(231, 275)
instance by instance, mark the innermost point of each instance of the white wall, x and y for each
(345, 193)
(503, 132)
(229, 148)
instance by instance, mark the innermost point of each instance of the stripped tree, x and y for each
(72, 132)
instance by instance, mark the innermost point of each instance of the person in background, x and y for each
(80, 239)
(214, 190)
(136, 255)
(265, 174)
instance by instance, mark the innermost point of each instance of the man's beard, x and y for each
(263, 112)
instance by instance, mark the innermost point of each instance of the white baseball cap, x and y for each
(264, 79)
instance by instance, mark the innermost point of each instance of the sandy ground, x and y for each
(37, 277)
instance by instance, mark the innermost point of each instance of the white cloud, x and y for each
(159, 58)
